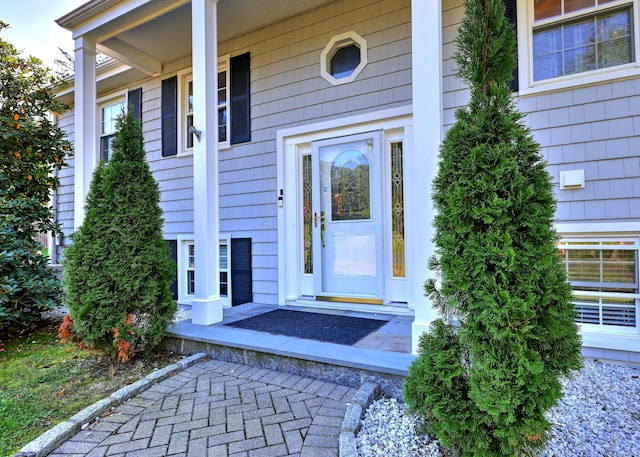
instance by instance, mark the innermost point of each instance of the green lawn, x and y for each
(44, 382)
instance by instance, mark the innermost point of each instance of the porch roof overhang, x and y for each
(143, 35)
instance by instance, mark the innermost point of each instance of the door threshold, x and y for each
(358, 300)
(398, 309)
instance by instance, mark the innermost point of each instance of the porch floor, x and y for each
(383, 354)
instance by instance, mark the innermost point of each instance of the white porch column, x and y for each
(86, 154)
(207, 305)
(426, 20)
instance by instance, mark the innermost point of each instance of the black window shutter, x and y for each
(510, 14)
(170, 117)
(173, 250)
(134, 98)
(240, 99)
(241, 278)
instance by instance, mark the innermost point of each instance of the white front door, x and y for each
(346, 228)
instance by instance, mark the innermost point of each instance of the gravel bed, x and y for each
(599, 416)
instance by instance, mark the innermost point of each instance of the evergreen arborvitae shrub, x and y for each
(490, 368)
(118, 269)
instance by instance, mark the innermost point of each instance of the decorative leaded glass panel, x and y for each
(397, 210)
(350, 198)
(307, 213)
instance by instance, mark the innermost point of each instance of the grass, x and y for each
(44, 382)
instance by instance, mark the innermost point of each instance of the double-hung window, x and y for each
(187, 269)
(233, 109)
(109, 110)
(577, 36)
(109, 113)
(223, 102)
(604, 276)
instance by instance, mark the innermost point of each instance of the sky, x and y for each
(33, 28)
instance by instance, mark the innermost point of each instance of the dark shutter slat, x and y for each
(134, 98)
(241, 276)
(512, 17)
(173, 249)
(169, 117)
(240, 99)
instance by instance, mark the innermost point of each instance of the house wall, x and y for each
(287, 90)
(63, 198)
(594, 127)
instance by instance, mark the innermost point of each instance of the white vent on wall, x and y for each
(572, 179)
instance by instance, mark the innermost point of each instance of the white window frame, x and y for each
(224, 64)
(337, 42)
(184, 78)
(184, 242)
(600, 295)
(526, 25)
(105, 102)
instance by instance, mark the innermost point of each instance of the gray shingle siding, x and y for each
(595, 128)
(286, 90)
(63, 198)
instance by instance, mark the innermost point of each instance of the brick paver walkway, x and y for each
(216, 409)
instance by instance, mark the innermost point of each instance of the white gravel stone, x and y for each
(598, 416)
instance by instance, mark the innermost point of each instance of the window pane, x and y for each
(191, 262)
(580, 59)
(222, 124)
(619, 267)
(224, 258)
(222, 87)
(584, 265)
(598, 41)
(191, 282)
(105, 147)
(547, 55)
(575, 5)
(586, 314)
(578, 34)
(350, 198)
(224, 284)
(307, 210)
(614, 34)
(344, 61)
(546, 8)
(222, 79)
(605, 268)
(109, 116)
(190, 98)
(620, 312)
(189, 132)
(548, 66)
(397, 209)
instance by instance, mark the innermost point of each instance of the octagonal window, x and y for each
(343, 58)
(345, 61)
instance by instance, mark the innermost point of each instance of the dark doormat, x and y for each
(311, 326)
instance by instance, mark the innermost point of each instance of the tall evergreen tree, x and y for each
(489, 369)
(118, 270)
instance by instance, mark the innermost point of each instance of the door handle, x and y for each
(323, 226)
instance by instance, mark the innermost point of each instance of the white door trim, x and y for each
(289, 143)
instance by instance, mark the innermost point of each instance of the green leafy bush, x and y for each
(489, 371)
(33, 149)
(118, 270)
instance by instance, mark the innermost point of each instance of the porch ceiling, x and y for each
(155, 32)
